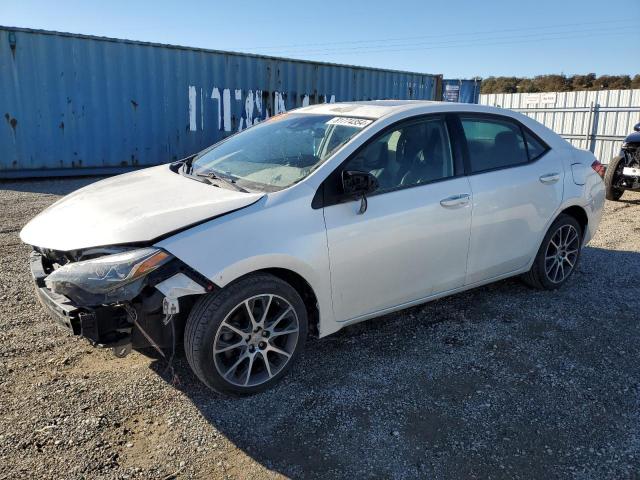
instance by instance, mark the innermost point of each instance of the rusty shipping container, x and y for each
(77, 104)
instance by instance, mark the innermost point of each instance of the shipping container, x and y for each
(463, 91)
(77, 104)
(595, 120)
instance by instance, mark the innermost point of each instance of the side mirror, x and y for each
(356, 183)
(636, 127)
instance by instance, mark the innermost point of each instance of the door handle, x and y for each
(455, 201)
(550, 178)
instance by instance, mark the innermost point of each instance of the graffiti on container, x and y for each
(254, 106)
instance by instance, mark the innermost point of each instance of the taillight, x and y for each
(599, 168)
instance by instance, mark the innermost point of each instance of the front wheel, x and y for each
(558, 255)
(243, 338)
(612, 178)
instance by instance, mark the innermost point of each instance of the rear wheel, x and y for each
(612, 178)
(558, 255)
(244, 338)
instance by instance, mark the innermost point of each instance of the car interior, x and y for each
(493, 144)
(415, 154)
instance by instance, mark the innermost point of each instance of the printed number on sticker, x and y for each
(349, 121)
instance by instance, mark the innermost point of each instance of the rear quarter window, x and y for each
(535, 147)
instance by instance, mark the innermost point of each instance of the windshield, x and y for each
(278, 152)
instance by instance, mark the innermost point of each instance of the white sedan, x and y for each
(308, 222)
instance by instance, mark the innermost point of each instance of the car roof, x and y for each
(375, 109)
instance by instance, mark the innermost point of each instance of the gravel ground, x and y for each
(499, 382)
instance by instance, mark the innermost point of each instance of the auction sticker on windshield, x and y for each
(349, 122)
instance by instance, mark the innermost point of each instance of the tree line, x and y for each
(559, 83)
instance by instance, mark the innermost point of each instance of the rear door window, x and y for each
(493, 143)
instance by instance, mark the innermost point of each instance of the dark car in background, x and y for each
(623, 171)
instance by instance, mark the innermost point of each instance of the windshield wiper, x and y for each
(214, 176)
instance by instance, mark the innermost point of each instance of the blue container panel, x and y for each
(74, 104)
(463, 91)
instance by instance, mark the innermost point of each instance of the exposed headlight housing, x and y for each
(117, 277)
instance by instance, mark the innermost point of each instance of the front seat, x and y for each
(428, 166)
(413, 141)
(378, 165)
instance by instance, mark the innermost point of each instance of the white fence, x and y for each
(593, 120)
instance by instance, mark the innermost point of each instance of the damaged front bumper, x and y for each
(140, 322)
(63, 311)
(104, 326)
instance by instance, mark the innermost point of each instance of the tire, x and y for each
(544, 274)
(611, 192)
(252, 357)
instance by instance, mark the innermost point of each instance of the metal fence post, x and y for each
(589, 129)
(593, 128)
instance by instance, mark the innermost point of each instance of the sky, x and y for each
(460, 39)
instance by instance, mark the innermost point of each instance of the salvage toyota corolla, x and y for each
(313, 220)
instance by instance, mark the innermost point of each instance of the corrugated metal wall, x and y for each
(464, 91)
(593, 120)
(76, 104)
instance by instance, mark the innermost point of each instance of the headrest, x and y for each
(506, 140)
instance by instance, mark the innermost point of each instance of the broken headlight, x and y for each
(117, 277)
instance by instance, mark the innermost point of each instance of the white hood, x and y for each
(135, 207)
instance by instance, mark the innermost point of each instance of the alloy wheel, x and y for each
(562, 253)
(256, 340)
